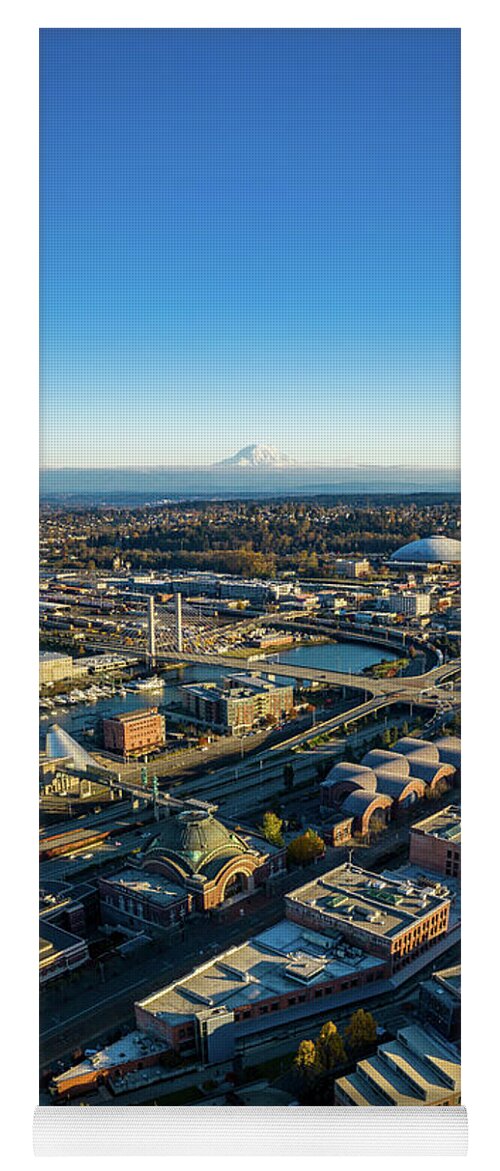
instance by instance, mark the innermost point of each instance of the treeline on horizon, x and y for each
(254, 539)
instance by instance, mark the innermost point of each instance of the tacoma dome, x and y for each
(429, 549)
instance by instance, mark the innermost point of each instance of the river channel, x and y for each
(81, 717)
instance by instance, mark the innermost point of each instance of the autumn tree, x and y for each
(271, 828)
(305, 849)
(305, 1061)
(330, 1051)
(361, 1030)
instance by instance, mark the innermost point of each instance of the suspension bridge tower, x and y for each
(178, 622)
(151, 632)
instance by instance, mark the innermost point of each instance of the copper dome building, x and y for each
(211, 861)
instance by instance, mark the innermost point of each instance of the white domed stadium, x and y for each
(440, 550)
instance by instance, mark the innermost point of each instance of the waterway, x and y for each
(337, 656)
(79, 718)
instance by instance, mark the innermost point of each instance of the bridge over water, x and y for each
(408, 684)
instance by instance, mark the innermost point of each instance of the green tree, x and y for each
(330, 1050)
(361, 1030)
(305, 849)
(271, 828)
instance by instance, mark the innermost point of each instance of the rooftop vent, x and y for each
(233, 971)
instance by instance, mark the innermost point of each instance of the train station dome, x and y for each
(439, 549)
(193, 839)
(209, 859)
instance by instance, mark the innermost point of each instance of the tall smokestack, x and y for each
(178, 614)
(151, 630)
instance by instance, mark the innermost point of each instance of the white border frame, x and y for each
(19, 80)
(223, 1132)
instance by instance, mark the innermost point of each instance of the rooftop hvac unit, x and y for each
(233, 971)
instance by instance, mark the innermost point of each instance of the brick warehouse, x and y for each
(396, 920)
(134, 733)
(435, 842)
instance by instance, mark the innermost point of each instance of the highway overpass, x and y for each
(371, 686)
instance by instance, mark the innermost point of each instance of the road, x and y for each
(412, 683)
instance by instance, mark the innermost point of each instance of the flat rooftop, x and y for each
(54, 896)
(421, 879)
(256, 683)
(280, 960)
(374, 903)
(446, 824)
(138, 714)
(133, 1047)
(451, 979)
(159, 890)
(54, 941)
(236, 687)
(51, 656)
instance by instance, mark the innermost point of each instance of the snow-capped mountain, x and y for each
(257, 455)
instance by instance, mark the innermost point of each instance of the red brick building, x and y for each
(340, 831)
(271, 977)
(395, 920)
(138, 900)
(134, 733)
(435, 842)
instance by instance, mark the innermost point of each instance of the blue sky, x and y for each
(249, 235)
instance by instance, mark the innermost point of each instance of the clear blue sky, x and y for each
(246, 236)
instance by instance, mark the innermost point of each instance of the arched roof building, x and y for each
(432, 773)
(344, 778)
(417, 758)
(397, 778)
(379, 758)
(403, 790)
(450, 750)
(202, 854)
(362, 806)
(418, 749)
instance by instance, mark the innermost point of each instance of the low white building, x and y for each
(351, 566)
(54, 666)
(410, 603)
